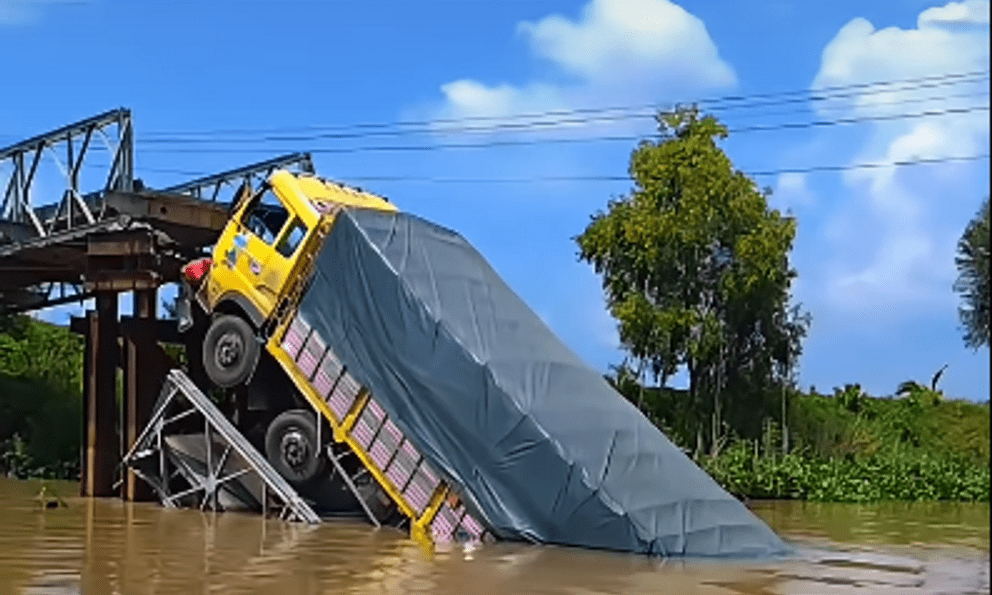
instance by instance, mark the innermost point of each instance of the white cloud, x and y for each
(617, 39)
(895, 232)
(971, 12)
(900, 273)
(860, 53)
(15, 12)
(617, 50)
(471, 98)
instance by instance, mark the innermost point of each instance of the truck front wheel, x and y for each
(230, 351)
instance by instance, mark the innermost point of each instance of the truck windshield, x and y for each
(265, 216)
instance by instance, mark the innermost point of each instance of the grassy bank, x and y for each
(845, 447)
(747, 470)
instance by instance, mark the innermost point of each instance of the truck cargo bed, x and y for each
(427, 362)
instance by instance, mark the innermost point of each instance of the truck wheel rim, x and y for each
(295, 449)
(229, 350)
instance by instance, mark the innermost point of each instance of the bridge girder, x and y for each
(68, 148)
(45, 257)
(251, 176)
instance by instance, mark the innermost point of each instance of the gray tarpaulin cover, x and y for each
(536, 442)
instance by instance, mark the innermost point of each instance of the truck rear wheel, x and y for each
(291, 447)
(230, 351)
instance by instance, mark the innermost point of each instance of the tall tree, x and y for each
(973, 279)
(696, 271)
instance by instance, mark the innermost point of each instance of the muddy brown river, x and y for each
(108, 547)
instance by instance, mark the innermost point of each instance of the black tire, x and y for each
(230, 351)
(291, 447)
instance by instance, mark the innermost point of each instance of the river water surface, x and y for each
(107, 546)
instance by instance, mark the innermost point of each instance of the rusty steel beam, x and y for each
(101, 446)
(145, 369)
(132, 242)
(122, 280)
(169, 207)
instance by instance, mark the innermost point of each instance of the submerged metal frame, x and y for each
(179, 390)
(349, 481)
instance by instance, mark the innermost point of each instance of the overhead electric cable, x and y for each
(941, 80)
(618, 178)
(588, 139)
(949, 79)
(536, 126)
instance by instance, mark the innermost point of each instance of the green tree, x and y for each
(695, 269)
(973, 279)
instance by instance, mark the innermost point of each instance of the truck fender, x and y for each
(235, 303)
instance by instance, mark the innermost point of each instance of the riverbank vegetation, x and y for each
(844, 447)
(41, 386)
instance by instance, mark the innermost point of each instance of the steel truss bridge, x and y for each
(98, 228)
(76, 224)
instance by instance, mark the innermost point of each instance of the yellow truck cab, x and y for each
(259, 260)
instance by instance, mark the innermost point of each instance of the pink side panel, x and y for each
(292, 342)
(471, 526)
(323, 383)
(362, 433)
(295, 336)
(416, 496)
(380, 454)
(307, 363)
(376, 410)
(340, 405)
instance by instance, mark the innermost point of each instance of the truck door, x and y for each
(265, 246)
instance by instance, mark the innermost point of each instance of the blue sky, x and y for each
(875, 247)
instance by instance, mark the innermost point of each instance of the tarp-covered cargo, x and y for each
(536, 442)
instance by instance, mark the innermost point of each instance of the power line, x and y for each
(429, 126)
(820, 168)
(535, 126)
(587, 139)
(879, 118)
(607, 178)
(951, 78)
(612, 178)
